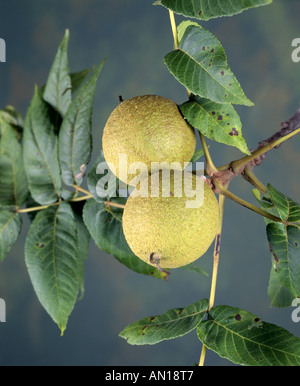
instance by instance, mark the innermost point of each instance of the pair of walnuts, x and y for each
(171, 217)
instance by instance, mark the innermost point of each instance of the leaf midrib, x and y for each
(54, 260)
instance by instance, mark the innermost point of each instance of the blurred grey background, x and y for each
(135, 36)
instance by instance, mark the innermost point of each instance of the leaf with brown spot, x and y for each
(219, 122)
(169, 325)
(205, 72)
(247, 340)
(285, 255)
(283, 245)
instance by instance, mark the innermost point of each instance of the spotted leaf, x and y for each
(200, 64)
(169, 325)
(219, 122)
(244, 338)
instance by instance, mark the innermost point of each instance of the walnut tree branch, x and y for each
(220, 179)
(245, 165)
(289, 128)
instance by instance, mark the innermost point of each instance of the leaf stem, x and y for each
(238, 164)
(115, 204)
(174, 29)
(36, 208)
(202, 356)
(210, 166)
(80, 189)
(215, 269)
(244, 203)
(251, 177)
(82, 198)
(216, 253)
(175, 36)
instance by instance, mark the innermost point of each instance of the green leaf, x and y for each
(102, 183)
(208, 9)
(197, 154)
(244, 338)
(13, 182)
(169, 325)
(284, 243)
(279, 295)
(282, 279)
(77, 78)
(10, 228)
(280, 205)
(266, 204)
(58, 87)
(183, 26)
(41, 153)
(200, 64)
(51, 258)
(105, 226)
(288, 209)
(194, 268)
(14, 118)
(219, 122)
(75, 135)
